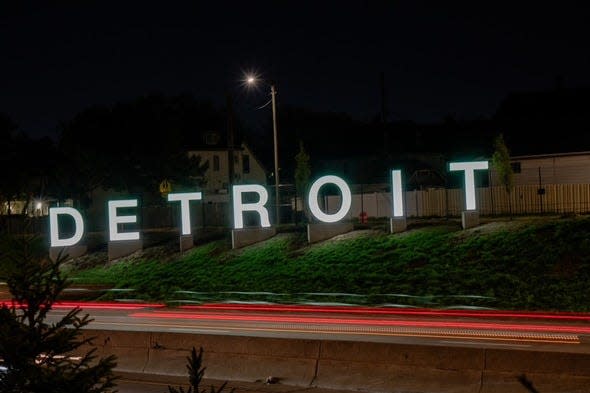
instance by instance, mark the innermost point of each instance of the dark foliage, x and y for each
(133, 146)
(195, 375)
(39, 356)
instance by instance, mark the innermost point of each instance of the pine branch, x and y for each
(196, 373)
(38, 356)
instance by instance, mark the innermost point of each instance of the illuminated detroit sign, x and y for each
(259, 206)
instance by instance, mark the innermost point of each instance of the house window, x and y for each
(515, 167)
(216, 163)
(246, 163)
(211, 138)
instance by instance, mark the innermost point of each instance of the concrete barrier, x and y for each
(186, 242)
(347, 365)
(469, 219)
(548, 371)
(119, 249)
(397, 224)
(324, 231)
(244, 237)
(237, 358)
(131, 348)
(377, 367)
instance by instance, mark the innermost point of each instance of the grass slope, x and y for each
(543, 264)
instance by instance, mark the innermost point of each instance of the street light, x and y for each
(251, 80)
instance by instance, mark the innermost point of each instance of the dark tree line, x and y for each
(132, 146)
(129, 147)
(26, 164)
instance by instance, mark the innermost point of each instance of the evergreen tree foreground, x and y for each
(37, 356)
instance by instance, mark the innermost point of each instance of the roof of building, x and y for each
(551, 155)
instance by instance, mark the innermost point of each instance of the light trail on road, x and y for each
(367, 322)
(366, 311)
(353, 322)
(97, 305)
(384, 311)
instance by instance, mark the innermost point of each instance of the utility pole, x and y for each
(230, 150)
(383, 116)
(383, 98)
(273, 93)
(230, 142)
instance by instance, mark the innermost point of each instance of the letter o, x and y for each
(312, 199)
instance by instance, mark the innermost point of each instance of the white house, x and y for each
(246, 166)
(559, 168)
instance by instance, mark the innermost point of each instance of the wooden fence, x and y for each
(440, 202)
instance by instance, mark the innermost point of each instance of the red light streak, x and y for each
(381, 311)
(97, 305)
(368, 322)
(366, 311)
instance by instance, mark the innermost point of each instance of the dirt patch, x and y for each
(491, 227)
(354, 235)
(506, 224)
(164, 246)
(90, 260)
(163, 252)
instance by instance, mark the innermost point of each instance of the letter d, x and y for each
(54, 212)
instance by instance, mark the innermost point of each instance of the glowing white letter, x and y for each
(396, 193)
(184, 198)
(469, 168)
(54, 227)
(240, 207)
(313, 199)
(114, 220)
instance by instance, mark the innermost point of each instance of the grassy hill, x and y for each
(533, 264)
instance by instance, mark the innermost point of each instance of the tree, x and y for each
(39, 356)
(133, 146)
(501, 163)
(302, 173)
(12, 185)
(195, 375)
(26, 166)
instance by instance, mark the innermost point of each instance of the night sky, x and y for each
(438, 59)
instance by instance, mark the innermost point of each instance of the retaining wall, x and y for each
(361, 366)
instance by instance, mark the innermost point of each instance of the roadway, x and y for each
(451, 348)
(474, 328)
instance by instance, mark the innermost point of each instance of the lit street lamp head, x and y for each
(251, 79)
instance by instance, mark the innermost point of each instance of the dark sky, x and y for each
(438, 58)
